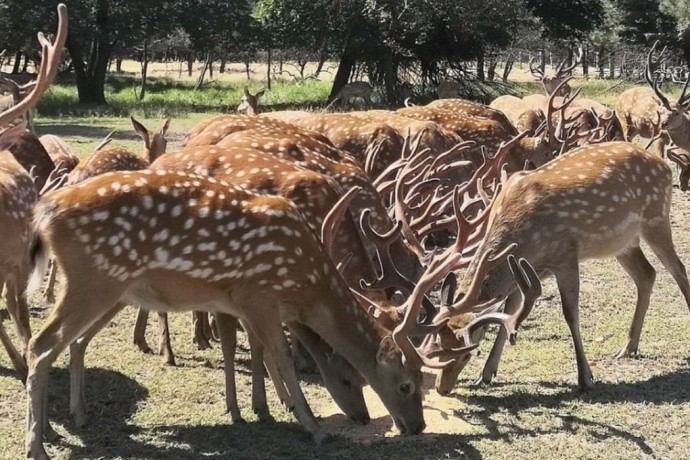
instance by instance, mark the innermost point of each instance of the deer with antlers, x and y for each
(553, 84)
(251, 257)
(19, 193)
(593, 202)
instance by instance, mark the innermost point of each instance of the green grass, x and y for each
(138, 408)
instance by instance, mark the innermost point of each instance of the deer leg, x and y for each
(259, 404)
(49, 292)
(278, 383)
(75, 313)
(206, 326)
(660, 239)
(643, 274)
(77, 400)
(198, 335)
(19, 310)
(271, 335)
(227, 329)
(491, 365)
(15, 356)
(568, 279)
(139, 332)
(300, 356)
(164, 347)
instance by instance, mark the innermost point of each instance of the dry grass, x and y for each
(640, 408)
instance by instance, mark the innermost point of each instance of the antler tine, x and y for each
(332, 221)
(106, 140)
(371, 154)
(530, 287)
(654, 81)
(561, 71)
(487, 261)
(441, 159)
(536, 71)
(57, 179)
(49, 66)
(683, 99)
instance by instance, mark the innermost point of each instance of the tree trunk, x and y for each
(17, 62)
(144, 70)
(210, 69)
(247, 69)
(25, 68)
(491, 72)
(600, 64)
(612, 66)
(268, 69)
(190, 64)
(342, 76)
(542, 60)
(390, 77)
(200, 80)
(685, 44)
(222, 65)
(480, 66)
(585, 61)
(90, 75)
(118, 65)
(319, 65)
(507, 69)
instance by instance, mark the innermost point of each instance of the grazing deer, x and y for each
(232, 251)
(356, 90)
(551, 84)
(596, 201)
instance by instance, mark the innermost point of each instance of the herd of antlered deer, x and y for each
(322, 223)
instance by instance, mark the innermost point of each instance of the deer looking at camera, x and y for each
(551, 84)
(594, 202)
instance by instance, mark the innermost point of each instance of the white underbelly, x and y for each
(597, 243)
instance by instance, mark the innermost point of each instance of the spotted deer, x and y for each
(18, 194)
(551, 84)
(315, 195)
(474, 109)
(249, 104)
(14, 93)
(355, 135)
(250, 256)
(522, 115)
(594, 202)
(60, 152)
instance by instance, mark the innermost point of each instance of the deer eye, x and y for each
(405, 388)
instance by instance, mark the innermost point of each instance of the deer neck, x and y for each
(342, 322)
(681, 135)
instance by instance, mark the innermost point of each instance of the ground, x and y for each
(139, 408)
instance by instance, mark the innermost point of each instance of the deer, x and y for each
(282, 276)
(596, 201)
(522, 115)
(249, 104)
(14, 93)
(19, 193)
(355, 135)
(60, 152)
(361, 90)
(551, 84)
(474, 109)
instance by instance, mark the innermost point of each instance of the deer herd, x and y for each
(337, 228)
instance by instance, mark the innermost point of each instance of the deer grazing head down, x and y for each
(562, 72)
(593, 202)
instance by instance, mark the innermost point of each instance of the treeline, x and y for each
(391, 42)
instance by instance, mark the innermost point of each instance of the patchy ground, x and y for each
(139, 408)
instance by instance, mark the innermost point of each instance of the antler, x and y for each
(331, 223)
(654, 81)
(106, 140)
(536, 71)
(564, 71)
(50, 61)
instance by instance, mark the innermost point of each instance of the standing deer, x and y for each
(551, 84)
(250, 256)
(596, 201)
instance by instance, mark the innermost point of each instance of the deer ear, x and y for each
(140, 130)
(387, 350)
(260, 93)
(246, 91)
(164, 129)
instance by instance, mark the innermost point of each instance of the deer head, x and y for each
(562, 71)
(672, 115)
(249, 104)
(154, 143)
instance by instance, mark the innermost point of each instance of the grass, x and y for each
(138, 408)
